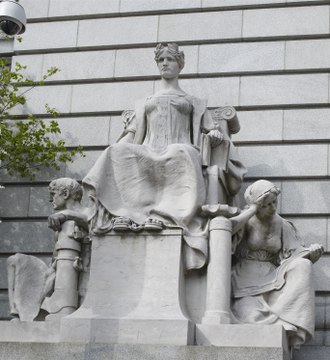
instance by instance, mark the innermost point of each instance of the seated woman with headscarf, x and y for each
(272, 277)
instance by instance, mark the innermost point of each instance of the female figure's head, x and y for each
(264, 194)
(169, 59)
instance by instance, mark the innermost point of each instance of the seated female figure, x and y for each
(271, 279)
(153, 175)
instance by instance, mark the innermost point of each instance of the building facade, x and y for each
(270, 59)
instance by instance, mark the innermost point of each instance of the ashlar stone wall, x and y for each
(268, 58)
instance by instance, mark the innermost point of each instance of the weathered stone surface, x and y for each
(305, 197)
(66, 36)
(307, 54)
(6, 45)
(149, 282)
(285, 160)
(20, 351)
(79, 168)
(39, 204)
(30, 237)
(85, 131)
(14, 201)
(109, 97)
(150, 5)
(81, 65)
(129, 30)
(305, 124)
(35, 8)
(218, 91)
(76, 7)
(286, 21)
(260, 126)
(140, 62)
(313, 352)
(284, 89)
(220, 25)
(58, 97)
(311, 230)
(222, 58)
(322, 274)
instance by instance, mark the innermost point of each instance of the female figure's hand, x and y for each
(216, 137)
(316, 250)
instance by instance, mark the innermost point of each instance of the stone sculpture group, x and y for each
(171, 181)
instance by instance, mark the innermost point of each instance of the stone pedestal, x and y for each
(244, 336)
(133, 294)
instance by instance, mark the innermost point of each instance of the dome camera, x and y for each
(12, 17)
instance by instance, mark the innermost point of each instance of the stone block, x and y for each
(225, 3)
(153, 5)
(259, 126)
(219, 91)
(321, 271)
(311, 230)
(4, 306)
(140, 62)
(91, 351)
(58, 97)
(232, 335)
(307, 54)
(6, 45)
(39, 204)
(285, 160)
(306, 124)
(81, 65)
(328, 237)
(29, 332)
(320, 314)
(138, 299)
(34, 66)
(85, 131)
(41, 36)
(110, 96)
(327, 314)
(288, 21)
(59, 8)
(130, 30)
(184, 27)
(26, 237)
(284, 89)
(79, 168)
(223, 58)
(116, 128)
(312, 352)
(35, 9)
(14, 201)
(305, 197)
(45, 174)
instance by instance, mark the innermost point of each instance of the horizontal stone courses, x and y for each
(269, 91)
(215, 60)
(38, 10)
(299, 197)
(258, 23)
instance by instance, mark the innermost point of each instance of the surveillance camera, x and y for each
(12, 18)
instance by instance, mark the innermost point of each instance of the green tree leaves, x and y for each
(26, 146)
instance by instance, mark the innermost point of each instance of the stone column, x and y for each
(219, 272)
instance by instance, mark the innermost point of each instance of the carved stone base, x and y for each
(92, 351)
(246, 336)
(133, 292)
